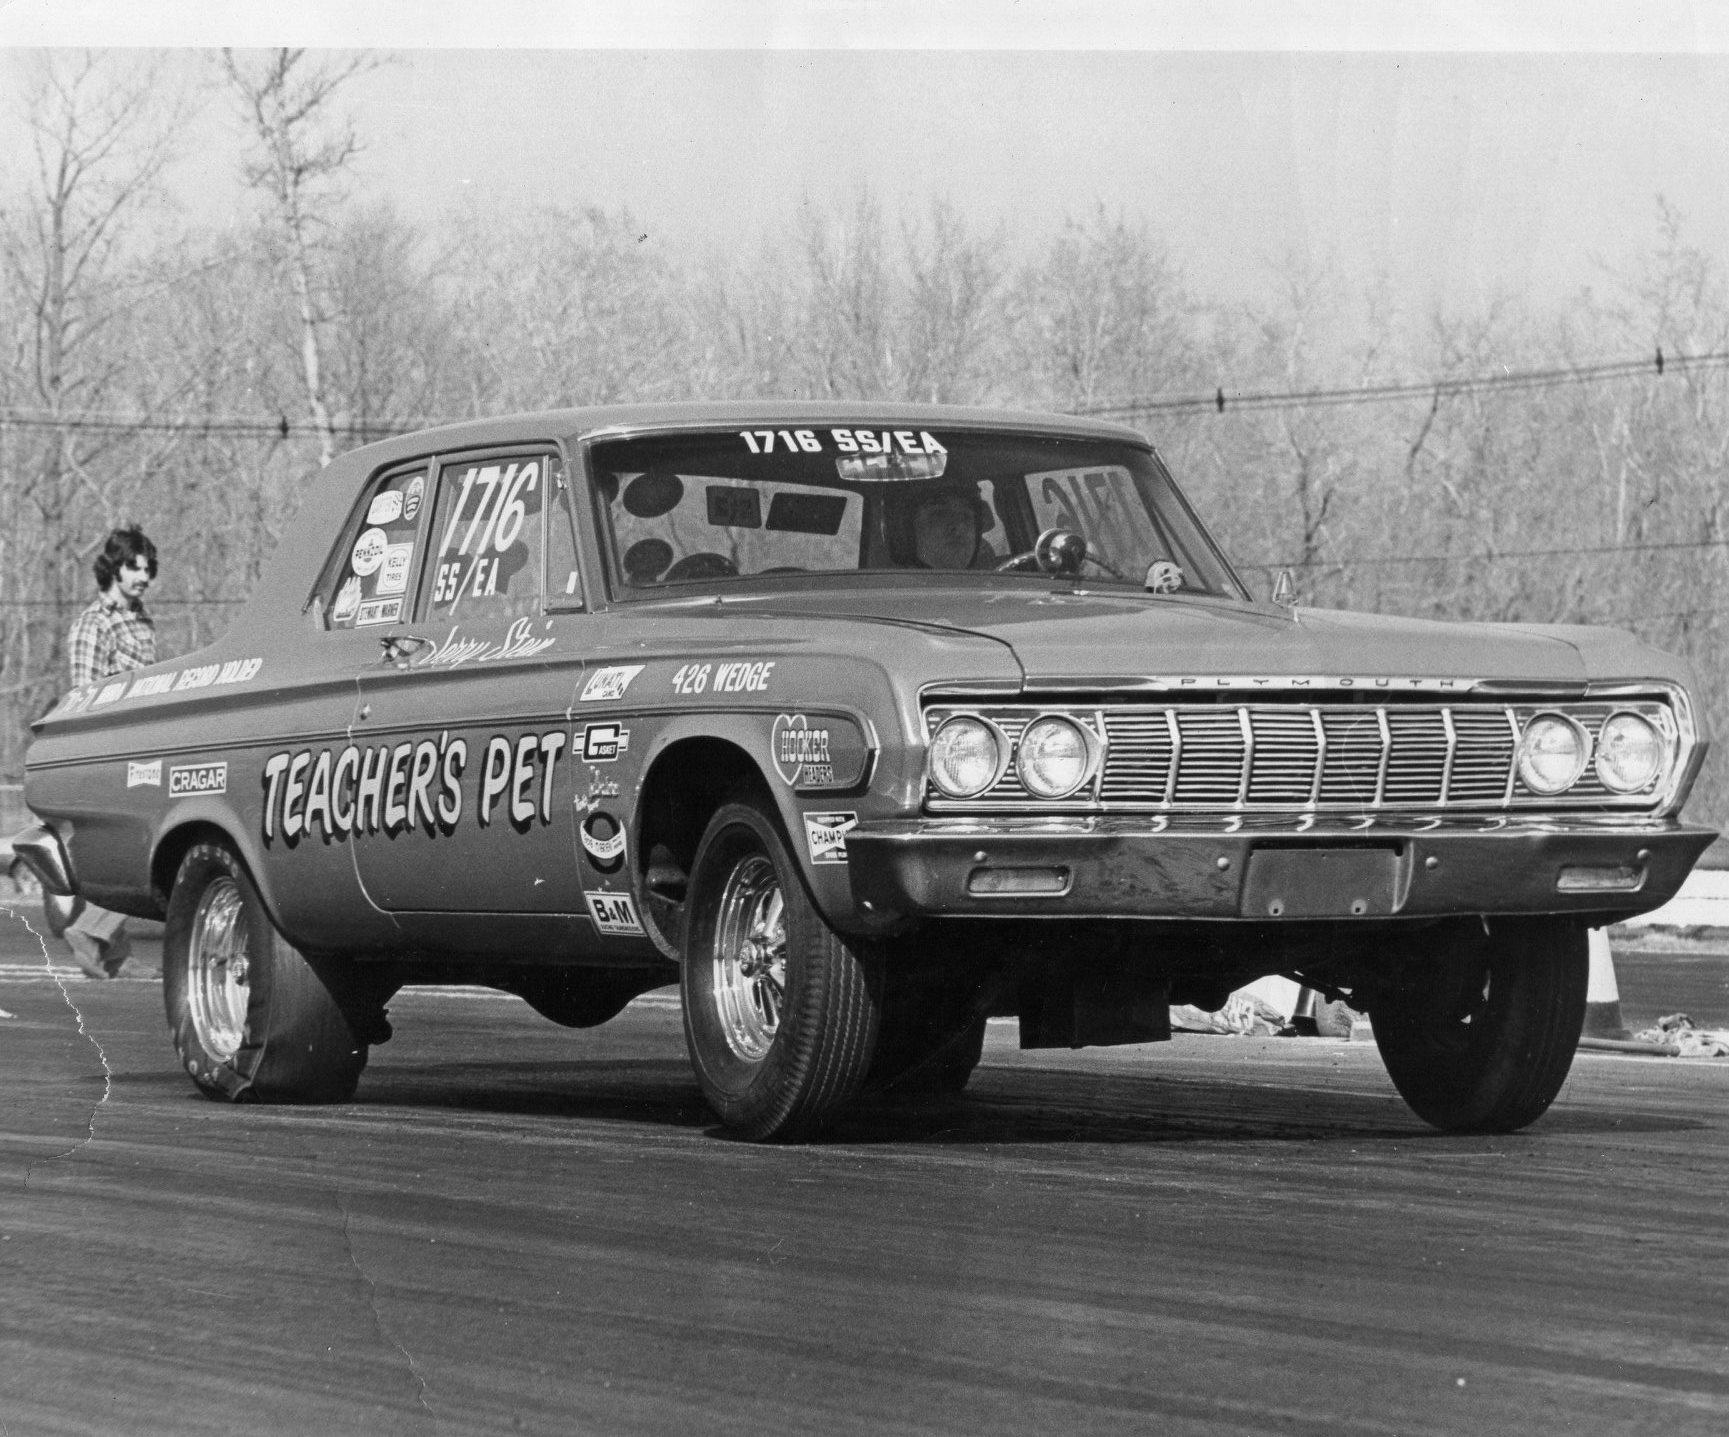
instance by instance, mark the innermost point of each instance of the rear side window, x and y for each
(486, 539)
(369, 575)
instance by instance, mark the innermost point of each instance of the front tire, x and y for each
(252, 1018)
(1479, 1038)
(780, 1011)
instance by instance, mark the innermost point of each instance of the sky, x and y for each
(1457, 151)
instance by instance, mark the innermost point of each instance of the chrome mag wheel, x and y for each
(219, 970)
(750, 958)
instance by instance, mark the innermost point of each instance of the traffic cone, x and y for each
(1602, 997)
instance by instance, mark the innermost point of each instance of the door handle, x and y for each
(400, 648)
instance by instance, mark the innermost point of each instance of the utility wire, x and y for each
(1659, 364)
(1436, 389)
(1385, 560)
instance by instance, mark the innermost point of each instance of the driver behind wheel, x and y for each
(942, 529)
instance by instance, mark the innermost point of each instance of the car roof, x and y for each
(622, 419)
(330, 494)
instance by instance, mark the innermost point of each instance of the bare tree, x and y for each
(302, 153)
(101, 131)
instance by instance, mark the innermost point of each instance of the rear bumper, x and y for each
(1606, 869)
(40, 848)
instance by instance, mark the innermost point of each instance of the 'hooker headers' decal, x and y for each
(389, 789)
(820, 752)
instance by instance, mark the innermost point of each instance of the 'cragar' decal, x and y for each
(199, 778)
(144, 774)
(604, 742)
(609, 683)
(603, 841)
(613, 912)
(826, 833)
(750, 677)
(800, 752)
(414, 784)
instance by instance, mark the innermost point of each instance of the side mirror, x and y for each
(1285, 590)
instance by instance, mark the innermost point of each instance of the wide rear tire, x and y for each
(780, 1011)
(252, 1019)
(1480, 1037)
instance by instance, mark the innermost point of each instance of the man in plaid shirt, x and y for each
(112, 635)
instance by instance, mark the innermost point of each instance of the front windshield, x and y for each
(714, 508)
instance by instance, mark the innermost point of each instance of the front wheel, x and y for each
(1479, 1038)
(780, 1011)
(251, 1016)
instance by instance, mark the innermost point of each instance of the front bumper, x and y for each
(1231, 868)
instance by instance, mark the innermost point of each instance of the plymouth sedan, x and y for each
(861, 724)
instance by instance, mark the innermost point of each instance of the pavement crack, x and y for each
(84, 1032)
(372, 1304)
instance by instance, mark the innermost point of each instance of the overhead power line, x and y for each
(1495, 556)
(1220, 401)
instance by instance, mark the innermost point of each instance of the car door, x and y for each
(463, 798)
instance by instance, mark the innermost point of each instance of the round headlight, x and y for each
(1052, 758)
(966, 757)
(1629, 753)
(1552, 754)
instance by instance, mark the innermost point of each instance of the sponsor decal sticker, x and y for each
(613, 912)
(604, 742)
(198, 778)
(112, 691)
(347, 600)
(369, 551)
(1163, 577)
(393, 577)
(826, 833)
(603, 840)
(800, 752)
(378, 611)
(140, 775)
(386, 507)
(411, 497)
(604, 684)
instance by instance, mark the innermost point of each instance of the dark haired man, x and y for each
(113, 634)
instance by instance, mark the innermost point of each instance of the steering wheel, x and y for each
(695, 567)
(1056, 551)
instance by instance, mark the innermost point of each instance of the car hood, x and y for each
(1066, 639)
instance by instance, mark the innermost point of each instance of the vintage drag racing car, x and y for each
(861, 724)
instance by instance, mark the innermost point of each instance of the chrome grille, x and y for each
(1302, 757)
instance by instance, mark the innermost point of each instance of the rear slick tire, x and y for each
(251, 1017)
(1479, 1038)
(780, 1011)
